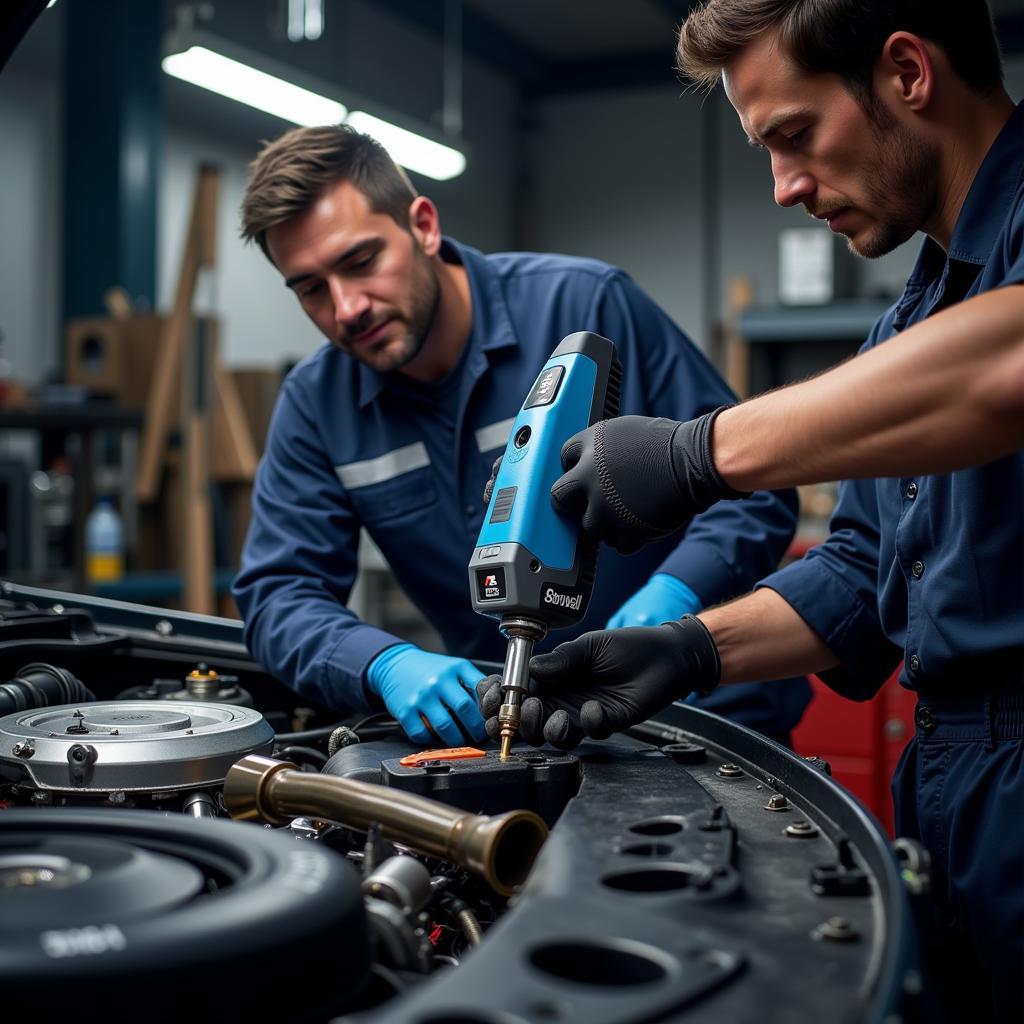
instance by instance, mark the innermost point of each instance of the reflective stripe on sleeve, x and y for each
(495, 435)
(384, 467)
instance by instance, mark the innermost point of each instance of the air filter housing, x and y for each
(128, 747)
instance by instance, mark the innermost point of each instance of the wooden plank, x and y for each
(198, 519)
(740, 296)
(197, 511)
(199, 252)
(233, 458)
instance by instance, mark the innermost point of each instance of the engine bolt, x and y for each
(23, 749)
(777, 802)
(730, 771)
(801, 830)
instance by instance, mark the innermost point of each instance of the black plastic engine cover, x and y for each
(692, 883)
(542, 781)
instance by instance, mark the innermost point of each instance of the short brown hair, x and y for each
(291, 173)
(844, 37)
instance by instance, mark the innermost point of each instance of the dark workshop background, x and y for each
(579, 139)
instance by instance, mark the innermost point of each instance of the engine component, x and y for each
(542, 781)
(131, 916)
(669, 889)
(201, 684)
(671, 892)
(127, 747)
(205, 683)
(402, 881)
(396, 891)
(38, 685)
(501, 850)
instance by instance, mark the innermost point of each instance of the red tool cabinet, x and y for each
(862, 741)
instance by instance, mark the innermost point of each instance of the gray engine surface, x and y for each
(128, 746)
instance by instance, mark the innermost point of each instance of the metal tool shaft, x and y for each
(522, 634)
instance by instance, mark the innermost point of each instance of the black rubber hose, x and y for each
(307, 735)
(294, 752)
(40, 686)
(371, 727)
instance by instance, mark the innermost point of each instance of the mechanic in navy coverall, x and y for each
(395, 424)
(883, 117)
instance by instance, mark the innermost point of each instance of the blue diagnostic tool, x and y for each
(531, 568)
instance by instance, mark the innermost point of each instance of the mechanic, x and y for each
(882, 117)
(394, 425)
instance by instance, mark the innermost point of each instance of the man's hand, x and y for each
(608, 681)
(429, 694)
(661, 599)
(635, 479)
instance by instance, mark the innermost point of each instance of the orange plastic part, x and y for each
(445, 754)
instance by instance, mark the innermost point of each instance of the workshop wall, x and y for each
(616, 176)
(30, 168)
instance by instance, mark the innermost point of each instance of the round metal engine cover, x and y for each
(130, 745)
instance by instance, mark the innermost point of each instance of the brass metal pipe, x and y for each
(500, 849)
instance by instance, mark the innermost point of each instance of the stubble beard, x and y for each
(392, 353)
(903, 187)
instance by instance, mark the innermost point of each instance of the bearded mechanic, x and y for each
(393, 426)
(883, 118)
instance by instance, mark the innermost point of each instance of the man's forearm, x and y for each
(761, 637)
(946, 394)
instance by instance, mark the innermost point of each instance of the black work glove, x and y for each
(608, 681)
(635, 479)
(489, 486)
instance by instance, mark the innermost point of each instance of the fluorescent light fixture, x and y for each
(238, 81)
(410, 150)
(208, 69)
(305, 20)
(314, 26)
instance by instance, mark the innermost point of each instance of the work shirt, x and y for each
(350, 448)
(930, 569)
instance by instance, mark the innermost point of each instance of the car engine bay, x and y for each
(182, 839)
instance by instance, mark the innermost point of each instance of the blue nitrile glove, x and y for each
(416, 685)
(661, 599)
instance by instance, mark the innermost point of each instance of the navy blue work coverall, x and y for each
(931, 571)
(349, 447)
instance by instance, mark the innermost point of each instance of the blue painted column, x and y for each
(112, 130)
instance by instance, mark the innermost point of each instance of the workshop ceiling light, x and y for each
(205, 67)
(243, 83)
(419, 154)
